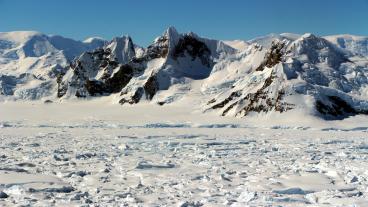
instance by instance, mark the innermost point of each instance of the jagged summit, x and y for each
(171, 59)
(323, 76)
(172, 34)
(122, 49)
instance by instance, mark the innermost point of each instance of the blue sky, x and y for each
(146, 19)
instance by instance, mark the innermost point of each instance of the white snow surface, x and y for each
(101, 154)
(237, 44)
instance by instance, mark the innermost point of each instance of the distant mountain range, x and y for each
(324, 76)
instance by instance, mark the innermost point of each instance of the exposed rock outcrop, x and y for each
(273, 56)
(195, 48)
(100, 72)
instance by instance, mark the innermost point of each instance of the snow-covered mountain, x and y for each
(135, 74)
(30, 62)
(323, 76)
(307, 73)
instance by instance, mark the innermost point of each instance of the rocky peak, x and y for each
(122, 49)
(102, 71)
(160, 46)
(172, 36)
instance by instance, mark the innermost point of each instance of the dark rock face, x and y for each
(263, 100)
(112, 84)
(260, 101)
(151, 87)
(102, 60)
(95, 87)
(159, 49)
(7, 84)
(273, 56)
(334, 107)
(226, 101)
(119, 79)
(195, 48)
(61, 87)
(89, 62)
(135, 98)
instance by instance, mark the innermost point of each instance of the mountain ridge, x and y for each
(326, 76)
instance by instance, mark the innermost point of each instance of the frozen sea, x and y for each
(99, 154)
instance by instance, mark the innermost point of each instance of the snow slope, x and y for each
(354, 44)
(240, 45)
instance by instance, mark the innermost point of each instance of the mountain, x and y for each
(30, 62)
(308, 72)
(99, 72)
(172, 59)
(277, 73)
